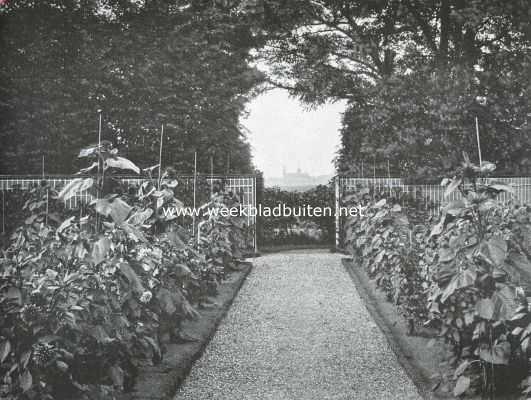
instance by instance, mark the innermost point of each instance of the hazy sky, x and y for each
(284, 133)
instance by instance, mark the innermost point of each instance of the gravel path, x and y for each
(298, 330)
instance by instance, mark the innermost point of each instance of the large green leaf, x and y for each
(380, 203)
(379, 257)
(100, 250)
(132, 277)
(5, 349)
(439, 227)
(454, 184)
(487, 167)
(461, 369)
(447, 254)
(13, 293)
(444, 273)
(121, 163)
(520, 261)
(176, 240)
(401, 220)
(487, 205)
(396, 208)
(500, 187)
(499, 354)
(66, 224)
(116, 208)
(26, 381)
(140, 217)
(133, 232)
(99, 333)
(169, 301)
(181, 271)
(461, 386)
(89, 169)
(494, 250)
(117, 375)
(455, 207)
(504, 300)
(89, 151)
(485, 308)
(154, 346)
(464, 278)
(74, 187)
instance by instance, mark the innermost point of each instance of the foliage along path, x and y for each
(298, 330)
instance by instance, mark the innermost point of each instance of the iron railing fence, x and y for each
(242, 185)
(430, 198)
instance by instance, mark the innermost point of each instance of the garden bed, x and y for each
(162, 381)
(463, 274)
(89, 298)
(423, 356)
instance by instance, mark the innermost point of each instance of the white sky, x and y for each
(285, 133)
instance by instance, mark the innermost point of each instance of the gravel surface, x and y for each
(298, 330)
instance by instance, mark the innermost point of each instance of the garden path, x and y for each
(298, 330)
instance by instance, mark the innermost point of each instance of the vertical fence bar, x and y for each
(337, 204)
(3, 211)
(255, 241)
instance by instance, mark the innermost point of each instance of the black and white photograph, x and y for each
(265, 199)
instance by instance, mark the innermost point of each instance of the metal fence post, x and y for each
(338, 219)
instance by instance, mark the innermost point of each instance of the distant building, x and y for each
(297, 180)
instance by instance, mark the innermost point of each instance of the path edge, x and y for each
(420, 376)
(162, 382)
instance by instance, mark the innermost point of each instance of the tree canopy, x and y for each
(184, 64)
(415, 74)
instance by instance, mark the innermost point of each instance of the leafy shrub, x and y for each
(459, 275)
(89, 296)
(13, 213)
(384, 241)
(298, 229)
(472, 298)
